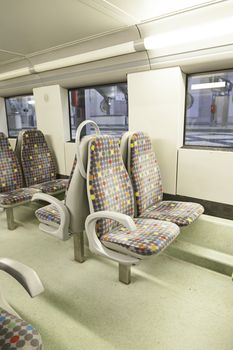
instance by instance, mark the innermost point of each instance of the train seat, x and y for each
(111, 229)
(146, 179)
(16, 333)
(38, 164)
(49, 214)
(62, 218)
(12, 193)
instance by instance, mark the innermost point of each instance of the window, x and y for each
(107, 105)
(20, 111)
(209, 110)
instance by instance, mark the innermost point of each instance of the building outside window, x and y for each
(209, 110)
(107, 105)
(20, 111)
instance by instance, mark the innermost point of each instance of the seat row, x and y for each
(115, 195)
(28, 170)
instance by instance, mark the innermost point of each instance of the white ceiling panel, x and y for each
(147, 9)
(5, 57)
(29, 26)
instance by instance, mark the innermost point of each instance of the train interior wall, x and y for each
(179, 299)
(156, 106)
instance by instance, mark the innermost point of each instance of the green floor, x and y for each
(170, 305)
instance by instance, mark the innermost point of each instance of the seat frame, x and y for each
(63, 230)
(125, 261)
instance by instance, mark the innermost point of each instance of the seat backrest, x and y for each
(36, 158)
(144, 171)
(108, 183)
(10, 172)
(76, 195)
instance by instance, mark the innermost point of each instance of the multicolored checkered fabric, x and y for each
(147, 186)
(10, 173)
(145, 172)
(17, 334)
(52, 186)
(48, 214)
(108, 182)
(19, 196)
(180, 213)
(150, 237)
(37, 160)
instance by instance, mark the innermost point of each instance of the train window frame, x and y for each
(199, 146)
(7, 116)
(72, 139)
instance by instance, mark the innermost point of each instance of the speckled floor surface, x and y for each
(170, 304)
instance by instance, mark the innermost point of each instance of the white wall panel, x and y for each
(3, 122)
(156, 106)
(70, 148)
(52, 119)
(206, 174)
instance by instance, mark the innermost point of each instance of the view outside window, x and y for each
(107, 105)
(20, 111)
(209, 110)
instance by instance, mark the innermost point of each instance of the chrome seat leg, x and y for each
(79, 247)
(10, 219)
(125, 273)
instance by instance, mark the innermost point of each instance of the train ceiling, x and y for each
(30, 28)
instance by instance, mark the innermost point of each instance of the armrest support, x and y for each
(25, 275)
(62, 231)
(94, 243)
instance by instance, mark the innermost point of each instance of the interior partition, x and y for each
(156, 106)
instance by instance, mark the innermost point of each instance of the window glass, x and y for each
(209, 110)
(20, 111)
(107, 105)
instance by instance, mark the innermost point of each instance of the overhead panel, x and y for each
(34, 26)
(148, 9)
(6, 57)
(111, 10)
(189, 36)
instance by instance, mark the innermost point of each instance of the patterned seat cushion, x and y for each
(108, 183)
(180, 213)
(150, 237)
(48, 214)
(145, 172)
(17, 334)
(147, 186)
(11, 177)
(53, 186)
(16, 197)
(36, 158)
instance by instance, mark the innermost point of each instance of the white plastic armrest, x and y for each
(25, 275)
(62, 232)
(94, 243)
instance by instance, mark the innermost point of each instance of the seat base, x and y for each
(17, 197)
(149, 238)
(180, 213)
(52, 187)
